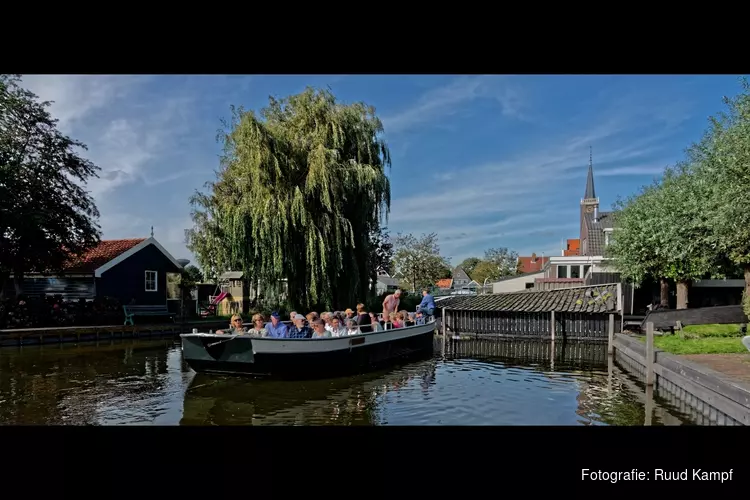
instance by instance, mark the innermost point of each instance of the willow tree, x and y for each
(301, 188)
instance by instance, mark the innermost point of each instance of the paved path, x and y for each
(736, 366)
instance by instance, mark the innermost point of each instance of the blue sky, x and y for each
(484, 161)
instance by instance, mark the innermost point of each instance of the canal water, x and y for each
(135, 382)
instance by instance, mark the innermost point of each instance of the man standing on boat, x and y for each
(427, 306)
(390, 304)
(275, 328)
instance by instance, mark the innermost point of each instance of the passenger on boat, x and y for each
(362, 317)
(420, 318)
(376, 326)
(235, 326)
(257, 330)
(351, 327)
(348, 314)
(319, 330)
(395, 323)
(427, 306)
(276, 329)
(336, 329)
(299, 329)
(390, 304)
(404, 317)
(291, 316)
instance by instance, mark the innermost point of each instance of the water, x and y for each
(146, 383)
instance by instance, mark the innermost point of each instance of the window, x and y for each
(562, 271)
(151, 285)
(575, 271)
(529, 285)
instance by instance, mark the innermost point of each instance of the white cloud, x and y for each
(446, 100)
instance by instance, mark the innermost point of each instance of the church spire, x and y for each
(590, 193)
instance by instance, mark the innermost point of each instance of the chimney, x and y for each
(533, 258)
(596, 213)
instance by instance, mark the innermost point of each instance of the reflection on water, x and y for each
(146, 382)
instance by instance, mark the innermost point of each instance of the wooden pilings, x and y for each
(650, 354)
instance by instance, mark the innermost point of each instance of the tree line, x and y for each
(694, 221)
(47, 217)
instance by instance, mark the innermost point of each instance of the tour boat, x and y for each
(304, 358)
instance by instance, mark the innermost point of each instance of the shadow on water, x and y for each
(479, 382)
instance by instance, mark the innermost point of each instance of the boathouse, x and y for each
(587, 313)
(127, 270)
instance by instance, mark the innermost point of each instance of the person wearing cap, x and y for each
(299, 330)
(275, 328)
(348, 314)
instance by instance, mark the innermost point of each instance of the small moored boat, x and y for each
(304, 358)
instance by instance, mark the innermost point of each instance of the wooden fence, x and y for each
(521, 325)
(561, 353)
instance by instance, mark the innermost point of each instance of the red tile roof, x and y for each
(101, 254)
(527, 266)
(444, 283)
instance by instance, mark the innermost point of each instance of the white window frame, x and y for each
(156, 281)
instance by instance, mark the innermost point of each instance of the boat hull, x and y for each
(305, 358)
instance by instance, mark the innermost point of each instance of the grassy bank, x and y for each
(702, 339)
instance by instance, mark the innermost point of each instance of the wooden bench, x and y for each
(134, 310)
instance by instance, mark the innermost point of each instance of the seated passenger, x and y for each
(276, 329)
(257, 330)
(336, 329)
(235, 326)
(319, 330)
(375, 322)
(351, 327)
(395, 323)
(420, 319)
(299, 330)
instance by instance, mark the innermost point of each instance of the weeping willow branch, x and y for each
(301, 188)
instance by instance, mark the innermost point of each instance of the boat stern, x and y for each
(212, 352)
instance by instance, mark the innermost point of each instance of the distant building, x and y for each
(531, 264)
(130, 269)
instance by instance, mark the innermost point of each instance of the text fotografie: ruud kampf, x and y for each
(658, 475)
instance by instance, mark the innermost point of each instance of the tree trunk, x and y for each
(18, 281)
(747, 281)
(664, 293)
(682, 294)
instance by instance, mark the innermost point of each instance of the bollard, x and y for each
(649, 354)
(611, 336)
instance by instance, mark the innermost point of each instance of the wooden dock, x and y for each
(55, 335)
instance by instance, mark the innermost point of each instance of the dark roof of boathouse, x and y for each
(583, 299)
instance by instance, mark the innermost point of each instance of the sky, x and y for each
(482, 160)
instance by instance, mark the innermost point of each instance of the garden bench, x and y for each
(134, 310)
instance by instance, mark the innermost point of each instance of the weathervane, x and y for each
(152, 231)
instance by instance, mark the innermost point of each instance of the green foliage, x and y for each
(419, 260)
(722, 160)
(46, 216)
(469, 264)
(301, 189)
(695, 221)
(192, 275)
(497, 263)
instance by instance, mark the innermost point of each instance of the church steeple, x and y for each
(590, 194)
